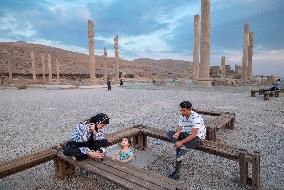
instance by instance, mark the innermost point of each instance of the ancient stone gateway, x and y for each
(196, 49)
(33, 64)
(116, 53)
(43, 68)
(250, 54)
(204, 70)
(91, 50)
(105, 64)
(245, 54)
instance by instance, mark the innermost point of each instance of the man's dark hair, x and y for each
(278, 79)
(185, 104)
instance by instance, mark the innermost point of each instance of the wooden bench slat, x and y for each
(146, 175)
(206, 146)
(115, 137)
(19, 164)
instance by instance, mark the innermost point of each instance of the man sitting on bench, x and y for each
(189, 134)
(87, 139)
(276, 86)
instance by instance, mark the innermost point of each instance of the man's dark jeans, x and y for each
(190, 145)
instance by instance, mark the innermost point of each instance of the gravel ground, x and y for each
(33, 119)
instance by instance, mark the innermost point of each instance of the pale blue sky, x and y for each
(158, 29)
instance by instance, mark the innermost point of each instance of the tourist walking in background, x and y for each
(108, 84)
(121, 83)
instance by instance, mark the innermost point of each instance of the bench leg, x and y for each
(140, 142)
(256, 171)
(63, 169)
(211, 134)
(232, 124)
(243, 168)
(252, 94)
(266, 97)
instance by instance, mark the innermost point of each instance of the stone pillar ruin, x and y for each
(49, 68)
(116, 53)
(10, 69)
(250, 54)
(43, 68)
(245, 54)
(223, 70)
(57, 71)
(105, 64)
(33, 64)
(204, 70)
(196, 49)
(91, 50)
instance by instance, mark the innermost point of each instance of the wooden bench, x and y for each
(240, 155)
(268, 94)
(122, 174)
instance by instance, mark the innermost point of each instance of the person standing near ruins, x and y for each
(189, 134)
(121, 83)
(108, 84)
(88, 140)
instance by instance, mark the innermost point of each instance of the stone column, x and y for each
(245, 54)
(204, 70)
(91, 50)
(250, 54)
(33, 64)
(105, 64)
(49, 68)
(196, 49)
(43, 68)
(10, 68)
(116, 53)
(223, 70)
(57, 71)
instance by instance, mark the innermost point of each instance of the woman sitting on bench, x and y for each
(88, 139)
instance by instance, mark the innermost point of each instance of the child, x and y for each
(125, 154)
(88, 139)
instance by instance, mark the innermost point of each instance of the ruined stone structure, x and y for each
(196, 49)
(105, 64)
(245, 54)
(250, 54)
(238, 69)
(49, 68)
(33, 64)
(116, 53)
(204, 70)
(43, 68)
(223, 70)
(57, 71)
(91, 50)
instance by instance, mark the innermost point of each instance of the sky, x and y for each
(157, 29)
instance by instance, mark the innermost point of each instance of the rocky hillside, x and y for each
(18, 53)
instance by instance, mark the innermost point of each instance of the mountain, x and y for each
(18, 54)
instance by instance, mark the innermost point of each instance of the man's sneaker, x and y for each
(175, 175)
